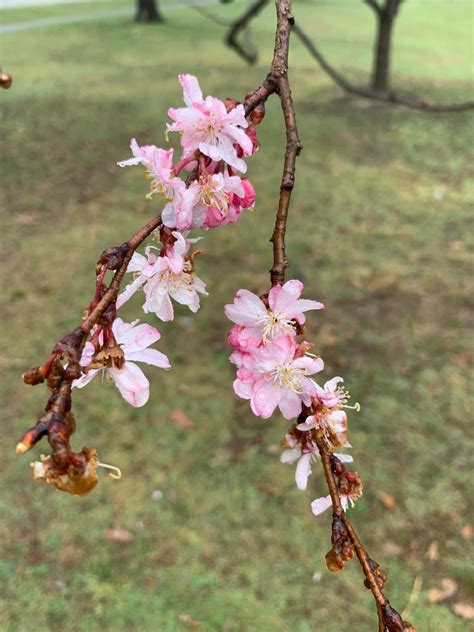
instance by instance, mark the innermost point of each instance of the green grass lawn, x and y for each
(379, 231)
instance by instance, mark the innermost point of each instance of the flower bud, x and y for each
(5, 80)
(334, 561)
(34, 376)
(257, 114)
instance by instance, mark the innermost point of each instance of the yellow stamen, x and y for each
(117, 475)
(355, 407)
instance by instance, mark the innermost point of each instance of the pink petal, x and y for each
(309, 424)
(243, 389)
(129, 291)
(310, 365)
(246, 310)
(280, 296)
(290, 455)
(303, 470)
(136, 338)
(290, 404)
(321, 504)
(150, 356)
(331, 385)
(191, 90)
(137, 263)
(265, 399)
(85, 378)
(132, 384)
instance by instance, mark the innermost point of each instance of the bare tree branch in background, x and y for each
(380, 77)
(389, 97)
(241, 24)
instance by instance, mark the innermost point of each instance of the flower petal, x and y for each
(303, 470)
(321, 504)
(132, 384)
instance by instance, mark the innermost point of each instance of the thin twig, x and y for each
(232, 38)
(55, 422)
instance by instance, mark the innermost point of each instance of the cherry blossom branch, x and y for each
(215, 136)
(344, 537)
(277, 82)
(57, 422)
(118, 256)
(388, 618)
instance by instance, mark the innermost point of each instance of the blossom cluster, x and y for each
(202, 190)
(274, 370)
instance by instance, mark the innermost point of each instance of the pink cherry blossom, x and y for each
(206, 203)
(305, 452)
(330, 402)
(265, 323)
(275, 378)
(327, 419)
(206, 125)
(243, 340)
(164, 278)
(240, 199)
(158, 163)
(134, 340)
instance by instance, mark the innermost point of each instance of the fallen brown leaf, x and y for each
(391, 548)
(447, 589)
(180, 418)
(273, 448)
(119, 535)
(464, 610)
(189, 621)
(433, 552)
(26, 219)
(466, 531)
(387, 500)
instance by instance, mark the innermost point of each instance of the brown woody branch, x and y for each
(57, 422)
(388, 618)
(373, 4)
(277, 82)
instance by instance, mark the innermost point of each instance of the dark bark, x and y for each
(385, 14)
(148, 11)
(381, 70)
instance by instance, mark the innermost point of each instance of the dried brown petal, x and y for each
(74, 480)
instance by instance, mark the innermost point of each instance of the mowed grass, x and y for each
(379, 231)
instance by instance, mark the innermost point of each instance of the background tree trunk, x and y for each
(148, 11)
(381, 69)
(385, 12)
